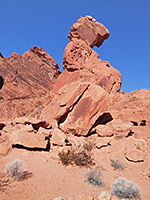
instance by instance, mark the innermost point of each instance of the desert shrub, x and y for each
(117, 164)
(88, 146)
(94, 178)
(66, 157)
(123, 188)
(16, 169)
(81, 158)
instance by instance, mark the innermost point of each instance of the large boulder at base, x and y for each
(81, 63)
(24, 82)
(76, 107)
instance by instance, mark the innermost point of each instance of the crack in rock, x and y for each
(70, 109)
(134, 161)
(105, 145)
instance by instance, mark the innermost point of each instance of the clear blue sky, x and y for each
(46, 23)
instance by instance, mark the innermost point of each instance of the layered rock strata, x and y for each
(24, 82)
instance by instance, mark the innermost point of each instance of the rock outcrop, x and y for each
(89, 30)
(24, 82)
(87, 86)
(76, 107)
(86, 94)
(81, 62)
(133, 107)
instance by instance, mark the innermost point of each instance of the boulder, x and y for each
(143, 133)
(25, 120)
(76, 107)
(115, 127)
(58, 137)
(27, 138)
(75, 141)
(91, 106)
(63, 102)
(104, 131)
(22, 90)
(89, 30)
(44, 131)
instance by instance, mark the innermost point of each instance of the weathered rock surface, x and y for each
(24, 82)
(27, 138)
(5, 144)
(58, 137)
(89, 30)
(133, 107)
(24, 133)
(82, 90)
(116, 128)
(76, 107)
(93, 70)
(81, 63)
(135, 155)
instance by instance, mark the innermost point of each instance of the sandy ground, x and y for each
(49, 178)
(52, 179)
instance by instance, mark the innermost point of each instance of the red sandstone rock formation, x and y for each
(25, 81)
(76, 107)
(89, 30)
(81, 63)
(82, 68)
(85, 102)
(92, 86)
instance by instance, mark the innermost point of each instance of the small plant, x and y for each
(16, 169)
(66, 157)
(94, 178)
(138, 146)
(88, 146)
(117, 164)
(123, 188)
(81, 158)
